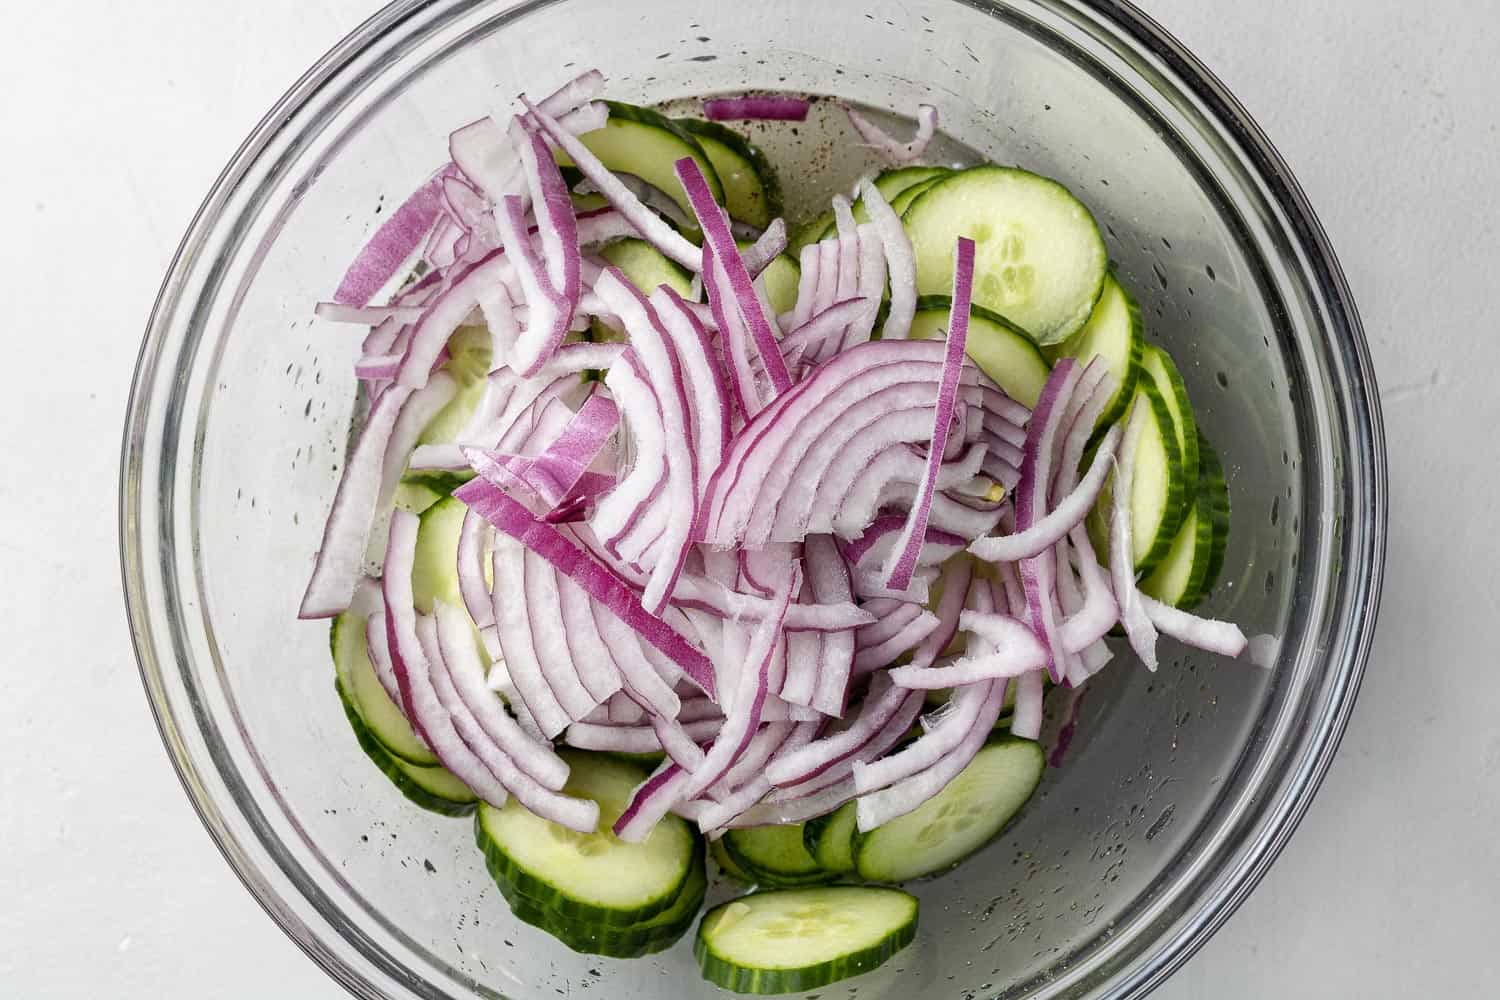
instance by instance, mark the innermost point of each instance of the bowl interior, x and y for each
(248, 421)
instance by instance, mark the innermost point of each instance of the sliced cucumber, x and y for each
(593, 878)
(415, 497)
(959, 820)
(830, 839)
(812, 231)
(386, 722)
(774, 855)
(643, 938)
(468, 362)
(780, 280)
(727, 864)
(1158, 365)
(432, 788)
(647, 267)
(901, 202)
(434, 574)
(1001, 351)
(792, 940)
(1178, 578)
(1211, 483)
(1115, 333)
(752, 193)
(1039, 260)
(591, 202)
(1158, 501)
(645, 144)
(894, 182)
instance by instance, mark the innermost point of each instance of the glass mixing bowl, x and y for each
(1181, 786)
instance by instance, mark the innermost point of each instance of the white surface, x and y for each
(110, 888)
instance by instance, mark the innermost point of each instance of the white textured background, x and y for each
(116, 117)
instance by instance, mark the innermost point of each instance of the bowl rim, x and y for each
(1156, 961)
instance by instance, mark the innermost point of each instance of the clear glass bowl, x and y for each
(1182, 785)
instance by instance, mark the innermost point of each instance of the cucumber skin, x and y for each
(997, 737)
(1177, 498)
(765, 982)
(618, 110)
(828, 856)
(388, 766)
(1212, 477)
(512, 879)
(727, 864)
(1134, 366)
(1189, 443)
(770, 183)
(635, 941)
(760, 875)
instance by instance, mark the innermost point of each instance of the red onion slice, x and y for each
(466, 673)
(340, 561)
(1224, 638)
(650, 802)
(744, 711)
(1138, 626)
(956, 576)
(394, 244)
(899, 570)
(901, 263)
(923, 624)
(1016, 651)
(650, 226)
(896, 152)
(720, 242)
(786, 109)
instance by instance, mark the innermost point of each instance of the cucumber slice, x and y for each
(1211, 483)
(591, 202)
(647, 267)
(774, 855)
(894, 182)
(811, 232)
(1178, 578)
(415, 497)
(468, 362)
(752, 193)
(1040, 261)
(901, 202)
(1115, 333)
(356, 674)
(434, 575)
(1001, 351)
(792, 940)
(593, 878)
(1158, 365)
(1158, 501)
(830, 839)
(432, 788)
(638, 939)
(780, 280)
(959, 820)
(727, 864)
(645, 144)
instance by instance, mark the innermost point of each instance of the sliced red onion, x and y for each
(766, 248)
(420, 409)
(702, 376)
(516, 642)
(899, 570)
(651, 228)
(446, 313)
(901, 798)
(786, 109)
(1027, 721)
(956, 576)
(1224, 638)
(394, 244)
(678, 744)
(743, 716)
(882, 708)
(868, 546)
(340, 561)
(967, 710)
(466, 672)
(604, 225)
(765, 743)
(1090, 620)
(908, 638)
(640, 675)
(515, 520)
(807, 285)
(829, 578)
(650, 802)
(482, 149)
(576, 814)
(720, 241)
(873, 471)
(1069, 728)
(823, 325)
(1139, 628)
(630, 739)
(1017, 652)
(474, 539)
(380, 657)
(1062, 518)
(896, 152)
(580, 686)
(549, 311)
(901, 263)
(755, 785)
